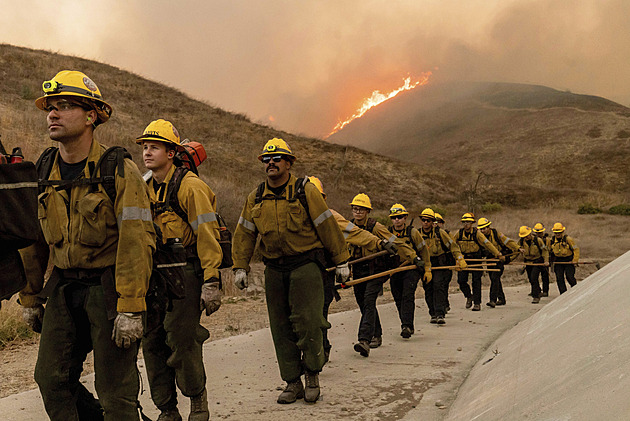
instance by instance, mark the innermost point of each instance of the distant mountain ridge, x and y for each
(526, 143)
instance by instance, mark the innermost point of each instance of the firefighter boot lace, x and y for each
(199, 407)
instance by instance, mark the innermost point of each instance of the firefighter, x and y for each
(444, 252)
(355, 237)
(101, 252)
(470, 241)
(539, 230)
(370, 333)
(296, 229)
(441, 223)
(535, 255)
(507, 246)
(172, 349)
(566, 255)
(412, 250)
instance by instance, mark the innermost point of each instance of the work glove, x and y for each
(240, 279)
(33, 317)
(427, 277)
(342, 273)
(210, 296)
(462, 265)
(390, 247)
(418, 262)
(501, 258)
(127, 329)
(576, 264)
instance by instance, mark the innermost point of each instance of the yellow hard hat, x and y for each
(539, 227)
(277, 146)
(397, 209)
(558, 227)
(78, 85)
(468, 217)
(524, 231)
(362, 200)
(428, 213)
(483, 222)
(438, 217)
(161, 131)
(318, 184)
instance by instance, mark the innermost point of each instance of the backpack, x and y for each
(534, 242)
(505, 250)
(449, 259)
(554, 240)
(296, 192)
(171, 203)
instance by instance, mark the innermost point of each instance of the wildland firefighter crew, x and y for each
(370, 334)
(412, 250)
(508, 247)
(535, 255)
(296, 230)
(356, 237)
(443, 251)
(101, 250)
(184, 209)
(566, 255)
(470, 241)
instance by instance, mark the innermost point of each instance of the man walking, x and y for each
(184, 209)
(296, 229)
(566, 256)
(101, 251)
(539, 230)
(536, 256)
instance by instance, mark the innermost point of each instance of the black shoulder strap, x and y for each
(172, 201)
(370, 224)
(44, 165)
(299, 192)
(438, 235)
(113, 158)
(259, 192)
(500, 243)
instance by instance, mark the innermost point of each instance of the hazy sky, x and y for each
(310, 63)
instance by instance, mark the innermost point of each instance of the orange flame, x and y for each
(378, 98)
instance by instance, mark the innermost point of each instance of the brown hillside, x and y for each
(533, 144)
(231, 140)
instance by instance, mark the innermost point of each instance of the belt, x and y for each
(82, 274)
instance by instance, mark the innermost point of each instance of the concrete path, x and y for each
(570, 361)
(404, 379)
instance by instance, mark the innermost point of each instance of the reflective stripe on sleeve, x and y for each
(348, 229)
(247, 224)
(391, 239)
(23, 185)
(321, 218)
(133, 213)
(202, 219)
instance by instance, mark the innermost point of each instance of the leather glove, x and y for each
(210, 296)
(33, 317)
(127, 329)
(240, 279)
(418, 262)
(427, 277)
(342, 273)
(462, 265)
(390, 247)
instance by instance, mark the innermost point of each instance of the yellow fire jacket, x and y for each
(534, 249)
(434, 244)
(201, 229)
(407, 250)
(469, 244)
(565, 247)
(85, 230)
(509, 243)
(355, 235)
(285, 228)
(380, 231)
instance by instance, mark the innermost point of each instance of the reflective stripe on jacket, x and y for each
(407, 250)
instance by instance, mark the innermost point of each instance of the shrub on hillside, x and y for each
(623, 134)
(490, 207)
(619, 210)
(588, 209)
(594, 132)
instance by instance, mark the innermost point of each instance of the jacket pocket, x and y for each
(172, 226)
(295, 217)
(49, 218)
(92, 225)
(264, 225)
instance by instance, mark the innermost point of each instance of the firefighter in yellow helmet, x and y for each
(411, 250)
(184, 208)
(99, 238)
(539, 230)
(507, 247)
(370, 333)
(368, 241)
(296, 229)
(566, 255)
(471, 242)
(534, 251)
(443, 251)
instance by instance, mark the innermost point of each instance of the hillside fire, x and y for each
(378, 98)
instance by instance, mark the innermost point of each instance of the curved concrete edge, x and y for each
(569, 361)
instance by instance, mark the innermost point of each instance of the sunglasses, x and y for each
(63, 106)
(426, 220)
(268, 159)
(359, 210)
(397, 217)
